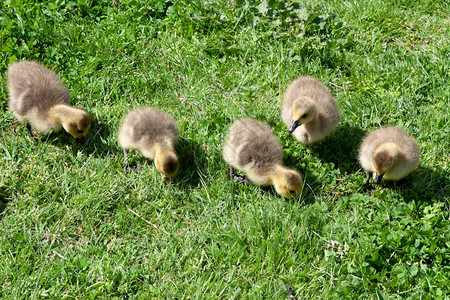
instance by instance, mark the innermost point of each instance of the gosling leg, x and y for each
(367, 186)
(290, 292)
(125, 160)
(33, 138)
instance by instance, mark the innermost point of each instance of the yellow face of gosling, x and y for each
(288, 183)
(303, 111)
(78, 124)
(167, 164)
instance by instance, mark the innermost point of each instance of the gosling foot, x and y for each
(238, 178)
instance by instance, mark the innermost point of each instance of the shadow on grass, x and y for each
(4, 199)
(192, 158)
(310, 182)
(262, 190)
(93, 144)
(273, 123)
(341, 148)
(423, 184)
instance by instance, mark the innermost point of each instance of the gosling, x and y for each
(309, 110)
(252, 148)
(388, 152)
(153, 133)
(39, 98)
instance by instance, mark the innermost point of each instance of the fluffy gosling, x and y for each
(39, 98)
(388, 152)
(153, 133)
(309, 110)
(252, 148)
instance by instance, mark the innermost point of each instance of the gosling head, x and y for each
(287, 182)
(384, 159)
(303, 111)
(167, 164)
(77, 123)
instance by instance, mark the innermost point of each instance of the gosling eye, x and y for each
(79, 131)
(292, 192)
(304, 116)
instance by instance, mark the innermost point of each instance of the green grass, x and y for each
(74, 225)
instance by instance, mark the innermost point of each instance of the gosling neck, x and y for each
(60, 111)
(162, 147)
(166, 160)
(277, 172)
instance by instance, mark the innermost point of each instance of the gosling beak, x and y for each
(378, 178)
(293, 126)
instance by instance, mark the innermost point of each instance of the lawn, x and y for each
(73, 224)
